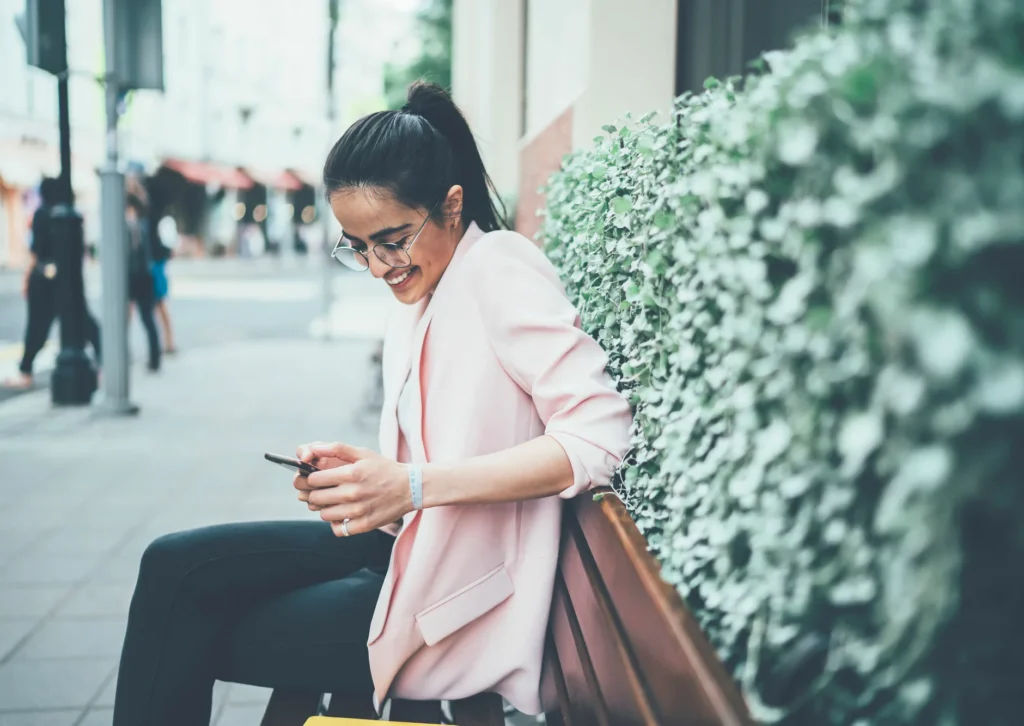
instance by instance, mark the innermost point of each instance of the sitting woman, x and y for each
(434, 577)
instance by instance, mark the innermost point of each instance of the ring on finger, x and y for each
(344, 526)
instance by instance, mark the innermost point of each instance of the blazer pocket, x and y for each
(464, 606)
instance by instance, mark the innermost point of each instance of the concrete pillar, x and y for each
(487, 81)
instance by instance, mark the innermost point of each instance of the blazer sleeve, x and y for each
(534, 331)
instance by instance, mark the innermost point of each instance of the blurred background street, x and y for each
(216, 301)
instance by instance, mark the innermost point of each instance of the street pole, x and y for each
(114, 249)
(73, 381)
(334, 11)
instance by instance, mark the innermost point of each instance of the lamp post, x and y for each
(43, 28)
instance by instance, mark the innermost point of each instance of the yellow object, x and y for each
(327, 721)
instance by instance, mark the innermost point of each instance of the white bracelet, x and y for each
(416, 486)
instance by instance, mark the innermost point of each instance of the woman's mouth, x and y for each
(402, 280)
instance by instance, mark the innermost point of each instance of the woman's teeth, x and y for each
(398, 280)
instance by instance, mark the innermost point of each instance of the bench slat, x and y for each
(584, 704)
(678, 664)
(618, 677)
(552, 688)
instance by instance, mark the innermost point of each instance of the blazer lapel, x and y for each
(406, 340)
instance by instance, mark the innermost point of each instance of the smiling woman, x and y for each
(391, 174)
(496, 408)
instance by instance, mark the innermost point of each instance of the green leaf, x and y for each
(608, 128)
(664, 219)
(621, 205)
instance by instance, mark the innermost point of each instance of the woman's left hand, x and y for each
(370, 492)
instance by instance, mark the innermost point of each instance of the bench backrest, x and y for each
(622, 647)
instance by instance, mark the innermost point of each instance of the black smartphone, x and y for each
(290, 463)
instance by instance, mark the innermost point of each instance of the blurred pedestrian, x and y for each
(40, 288)
(141, 288)
(160, 249)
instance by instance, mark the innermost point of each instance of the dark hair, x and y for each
(134, 202)
(417, 154)
(50, 191)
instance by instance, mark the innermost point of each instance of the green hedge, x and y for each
(811, 283)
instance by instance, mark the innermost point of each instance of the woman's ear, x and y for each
(453, 207)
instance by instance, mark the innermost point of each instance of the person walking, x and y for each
(161, 234)
(141, 288)
(39, 289)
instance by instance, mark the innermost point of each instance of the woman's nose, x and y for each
(377, 268)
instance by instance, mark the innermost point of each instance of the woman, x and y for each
(496, 408)
(141, 288)
(40, 288)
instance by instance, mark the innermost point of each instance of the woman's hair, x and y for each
(133, 201)
(417, 154)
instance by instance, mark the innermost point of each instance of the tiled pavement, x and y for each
(81, 495)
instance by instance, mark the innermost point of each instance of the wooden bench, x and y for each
(622, 648)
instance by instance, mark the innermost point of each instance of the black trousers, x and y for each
(272, 604)
(42, 311)
(142, 292)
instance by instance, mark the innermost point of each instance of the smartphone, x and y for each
(289, 463)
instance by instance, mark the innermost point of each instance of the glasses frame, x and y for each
(395, 246)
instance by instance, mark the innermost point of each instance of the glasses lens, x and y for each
(350, 258)
(392, 255)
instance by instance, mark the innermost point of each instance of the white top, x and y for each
(406, 421)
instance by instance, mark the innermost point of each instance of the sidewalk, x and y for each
(82, 495)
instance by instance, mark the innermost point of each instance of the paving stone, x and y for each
(98, 600)
(30, 601)
(51, 685)
(63, 639)
(66, 717)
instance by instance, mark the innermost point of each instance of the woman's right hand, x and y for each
(300, 482)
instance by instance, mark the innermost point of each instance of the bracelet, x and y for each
(416, 486)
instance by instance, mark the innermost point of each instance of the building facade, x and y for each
(245, 89)
(538, 79)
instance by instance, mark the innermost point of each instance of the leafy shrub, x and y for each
(811, 283)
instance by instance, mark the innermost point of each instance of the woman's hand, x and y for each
(367, 489)
(305, 453)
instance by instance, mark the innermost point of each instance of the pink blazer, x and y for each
(498, 359)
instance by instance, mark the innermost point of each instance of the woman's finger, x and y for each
(304, 452)
(341, 494)
(301, 483)
(334, 477)
(354, 526)
(341, 512)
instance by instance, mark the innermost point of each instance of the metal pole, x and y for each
(114, 249)
(73, 381)
(327, 280)
(64, 124)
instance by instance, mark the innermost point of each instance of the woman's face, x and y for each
(369, 217)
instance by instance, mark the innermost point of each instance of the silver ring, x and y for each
(344, 526)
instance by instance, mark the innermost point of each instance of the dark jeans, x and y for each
(273, 604)
(142, 292)
(42, 311)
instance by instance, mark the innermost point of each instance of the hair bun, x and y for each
(424, 98)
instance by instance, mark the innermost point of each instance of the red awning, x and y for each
(201, 172)
(286, 181)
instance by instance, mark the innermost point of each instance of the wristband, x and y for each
(416, 486)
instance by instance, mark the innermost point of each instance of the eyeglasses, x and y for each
(392, 254)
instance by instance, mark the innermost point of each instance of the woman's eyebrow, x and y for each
(380, 234)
